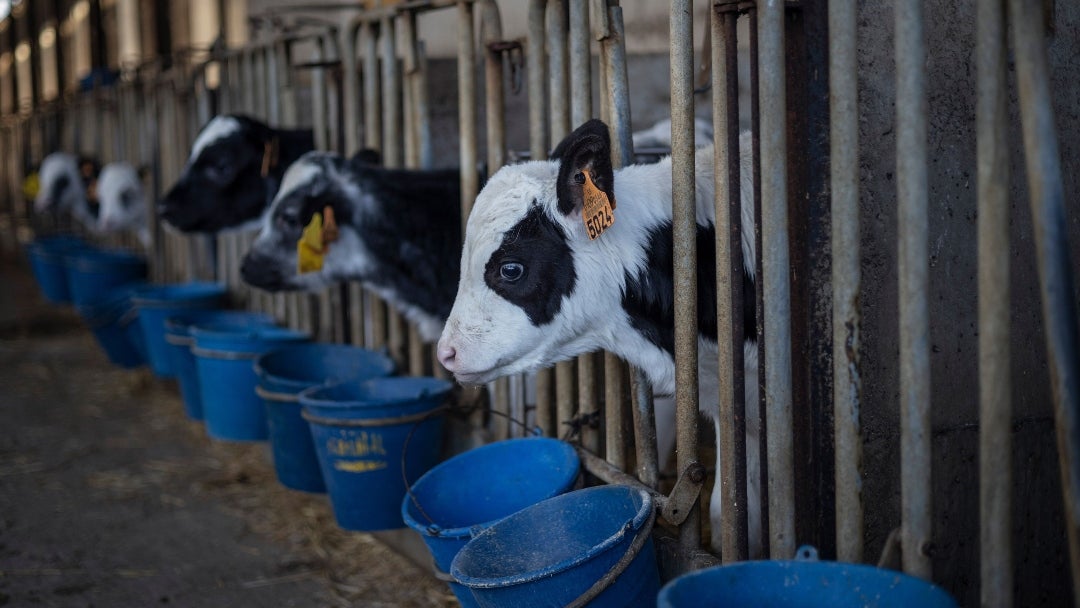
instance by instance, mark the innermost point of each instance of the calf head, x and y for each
(63, 182)
(230, 177)
(313, 183)
(121, 201)
(534, 288)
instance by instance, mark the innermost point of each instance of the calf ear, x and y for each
(587, 149)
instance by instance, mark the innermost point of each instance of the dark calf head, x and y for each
(316, 181)
(235, 166)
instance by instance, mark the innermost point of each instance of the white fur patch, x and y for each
(117, 181)
(217, 129)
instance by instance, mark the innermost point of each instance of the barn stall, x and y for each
(916, 321)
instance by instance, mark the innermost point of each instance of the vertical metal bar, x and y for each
(273, 84)
(995, 386)
(538, 132)
(491, 32)
(775, 280)
(1055, 271)
(372, 105)
(391, 92)
(537, 57)
(846, 277)
(731, 538)
(914, 320)
(350, 95)
(558, 71)
(580, 63)
(588, 400)
(318, 98)
(467, 108)
(608, 27)
(684, 231)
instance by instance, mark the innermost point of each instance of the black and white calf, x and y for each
(122, 202)
(399, 234)
(65, 183)
(536, 290)
(233, 172)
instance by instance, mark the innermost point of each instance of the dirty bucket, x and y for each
(360, 431)
(468, 493)
(285, 372)
(587, 547)
(178, 336)
(156, 303)
(111, 318)
(223, 362)
(92, 272)
(49, 264)
(803, 582)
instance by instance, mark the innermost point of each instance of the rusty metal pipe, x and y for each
(1047, 200)
(914, 282)
(775, 279)
(684, 231)
(558, 70)
(846, 278)
(580, 63)
(733, 541)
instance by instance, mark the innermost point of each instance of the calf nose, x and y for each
(447, 356)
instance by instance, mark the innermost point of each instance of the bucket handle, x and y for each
(275, 396)
(179, 340)
(620, 566)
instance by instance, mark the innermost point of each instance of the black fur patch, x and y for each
(649, 297)
(539, 244)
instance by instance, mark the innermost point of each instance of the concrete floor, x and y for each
(109, 496)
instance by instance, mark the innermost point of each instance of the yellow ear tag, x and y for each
(597, 209)
(309, 249)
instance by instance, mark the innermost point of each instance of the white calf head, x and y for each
(121, 199)
(534, 289)
(61, 184)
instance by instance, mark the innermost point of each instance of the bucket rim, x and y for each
(308, 397)
(386, 365)
(154, 295)
(636, 523)
(180, 324)
(459, 532)
(810, 569)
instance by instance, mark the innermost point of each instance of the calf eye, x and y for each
(579, 178)
(511, 272)
(289, 219)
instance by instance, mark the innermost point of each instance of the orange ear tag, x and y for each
(309, 249)
(597, 209)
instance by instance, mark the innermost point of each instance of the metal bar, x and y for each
(558, 71)
(731, 538)
(537, 57)
(1052, 250)
(467, 108)
(995, 386)
(580, 63)
(846, 277)
(609, 28)
(538, 132)
(914, 321)
(615, 442)
(372, 100)
(391, 92)
(318, 99)
(775, 280)
(588, 399)
(491, 32)
(684, 232)
(350, 96)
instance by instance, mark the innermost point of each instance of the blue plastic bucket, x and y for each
(223, 362)
(178, 336)
(159, 302)
(801, 583)
(113, 321)
(92, 273)
(468, 493)
(282, 375)
(48, 261)
(360, 430)
(561, 549)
